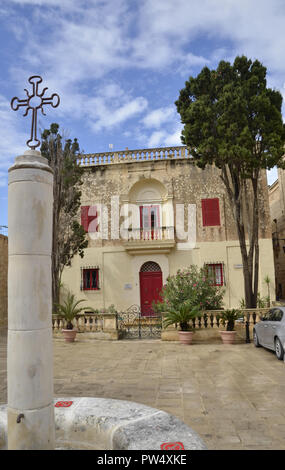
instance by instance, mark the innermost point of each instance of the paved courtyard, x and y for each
(233, 396)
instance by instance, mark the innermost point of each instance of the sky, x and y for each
(118, 65)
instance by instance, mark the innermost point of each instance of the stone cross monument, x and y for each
(30, 357)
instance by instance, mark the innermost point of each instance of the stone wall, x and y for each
(184, 183)
(3, 281)
(277, 214)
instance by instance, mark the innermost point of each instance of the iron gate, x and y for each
(133, 325)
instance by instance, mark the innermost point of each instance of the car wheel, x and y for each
(255, 340)
(279, 351)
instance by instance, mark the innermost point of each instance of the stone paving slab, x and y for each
(231, 395)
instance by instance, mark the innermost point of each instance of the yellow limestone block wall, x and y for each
(119, 271)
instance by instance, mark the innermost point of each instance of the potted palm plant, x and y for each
(182, 316)
(68, 310)
(228, 318)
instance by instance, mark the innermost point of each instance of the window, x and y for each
(150, 223)
(215, 273)
(149, 217)
(88, 214)
(90, 279)
(266, 316)
(211, 212)
(276, 315)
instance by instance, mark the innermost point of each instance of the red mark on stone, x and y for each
(63, 404)
(172, 446)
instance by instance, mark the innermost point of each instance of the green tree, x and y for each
(193, 287)
(69, 237)
(233, 120)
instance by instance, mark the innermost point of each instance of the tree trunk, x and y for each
(255, 217)
(55, 264)
(236, 189)
(57, 201)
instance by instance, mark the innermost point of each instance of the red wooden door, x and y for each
(150, 286)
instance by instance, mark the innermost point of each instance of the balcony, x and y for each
(154, 240)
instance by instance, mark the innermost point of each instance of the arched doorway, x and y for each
(150, 286)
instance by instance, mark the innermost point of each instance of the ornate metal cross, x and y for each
(34, 102)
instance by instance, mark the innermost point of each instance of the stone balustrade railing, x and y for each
(145, 234)
(105, 325)
(131, 156)
(212, 318)
(207, 326)
(101, 323)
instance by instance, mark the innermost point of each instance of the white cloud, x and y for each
(158, 117)
(81, 46)
(107, 35)
(164, 138)
(164, 126)
(73, 43)
(254, 28)
(13, 142)
(107, 117)
(173, 139)
(105, 106)
(156, 139)
(89, 39)
(101, 107)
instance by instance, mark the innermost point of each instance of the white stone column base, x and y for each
(35, 431)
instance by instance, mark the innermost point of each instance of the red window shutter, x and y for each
(141, 216)
(211, 212)
(84, 217)
(87, 218)
(92, 217)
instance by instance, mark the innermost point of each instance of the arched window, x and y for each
(150, 266)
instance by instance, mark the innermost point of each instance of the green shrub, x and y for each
(69, 309)
(190, 285)
(182, 315)
(228, 318)
(261, 302)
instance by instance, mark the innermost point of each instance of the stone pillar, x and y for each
(30, 357)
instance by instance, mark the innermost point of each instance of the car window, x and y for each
(265, 317)
(271, 315)
(276, 315)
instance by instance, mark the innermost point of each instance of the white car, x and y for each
(270, 331)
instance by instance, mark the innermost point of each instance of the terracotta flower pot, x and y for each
(69, 335)
(228, 337)
(185, 337)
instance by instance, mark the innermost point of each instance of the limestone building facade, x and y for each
(277, 214)
(150, 212)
